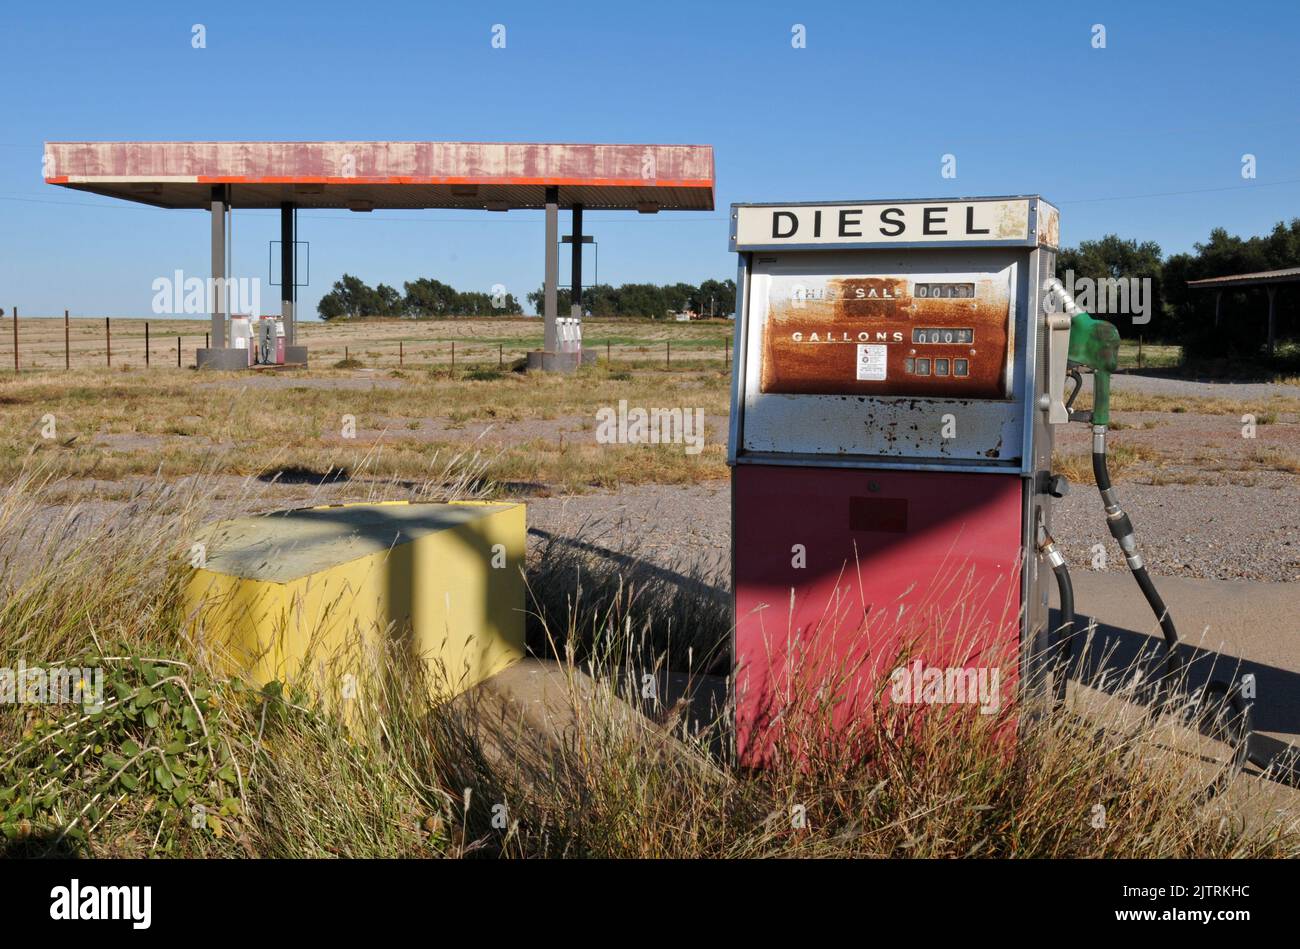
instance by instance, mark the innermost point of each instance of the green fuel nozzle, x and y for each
(1094, 344)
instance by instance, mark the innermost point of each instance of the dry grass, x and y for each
(1123, 461)
(1274, 459)
(395, 782)
(113, 425)
(1208, 405)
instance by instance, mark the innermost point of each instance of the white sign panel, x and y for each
(933, 222)
(871, 362)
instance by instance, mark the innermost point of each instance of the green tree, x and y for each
(717, 298)
(1113, 257)
(350, 296)
(428, 298)
(642, 299)
(386, 301)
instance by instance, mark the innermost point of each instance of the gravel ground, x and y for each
(1190, 530)
(683, 528)
(1183, 530)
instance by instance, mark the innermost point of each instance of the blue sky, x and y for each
(1144, 138)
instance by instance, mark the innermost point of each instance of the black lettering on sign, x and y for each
(970, 222)
(817, 223)
(845, 222)
(776, 224)
(896, 222)
(928, 220)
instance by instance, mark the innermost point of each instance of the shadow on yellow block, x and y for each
(308, 596)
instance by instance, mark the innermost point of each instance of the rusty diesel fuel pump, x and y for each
(890, 458)
(898, 379)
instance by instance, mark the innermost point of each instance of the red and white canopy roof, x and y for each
(369, 175)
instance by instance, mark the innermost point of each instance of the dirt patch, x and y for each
(361, 380)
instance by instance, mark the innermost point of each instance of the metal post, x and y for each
(401, 354)
(15, 339)
(453, 354)
(668, 353)
(108, 341)
(217, 303)
(608, 361)
(178, 352)
(550, 300)
(288, 275)
(575, 289)
(146, 344)
(726, 352)
(67, 343)
(501, 355)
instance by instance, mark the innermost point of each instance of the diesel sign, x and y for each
(937, 222)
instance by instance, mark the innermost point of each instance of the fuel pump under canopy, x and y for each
(890, 443)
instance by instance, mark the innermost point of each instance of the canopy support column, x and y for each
(217, 293)
(575, 291)
(1272, 338)
(288, 274)
(551, 341)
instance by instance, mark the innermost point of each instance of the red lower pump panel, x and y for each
(852, 584)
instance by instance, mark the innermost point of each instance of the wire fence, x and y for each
(29, 344)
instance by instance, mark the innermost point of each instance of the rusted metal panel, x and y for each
(1049, 225)
(917, 334)
(821, 398)
(666, 176)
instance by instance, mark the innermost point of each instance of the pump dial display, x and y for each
(898, 334)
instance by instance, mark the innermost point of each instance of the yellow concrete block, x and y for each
(305, 595)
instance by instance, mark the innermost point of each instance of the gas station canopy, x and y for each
(363, 176)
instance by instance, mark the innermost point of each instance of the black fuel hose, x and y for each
(1237, 726)
(1121, 528)
(1061, 644)
(1064, 649)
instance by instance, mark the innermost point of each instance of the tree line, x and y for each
(1185, 315)
(353, 297)
(711, 298)
(428, 298)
